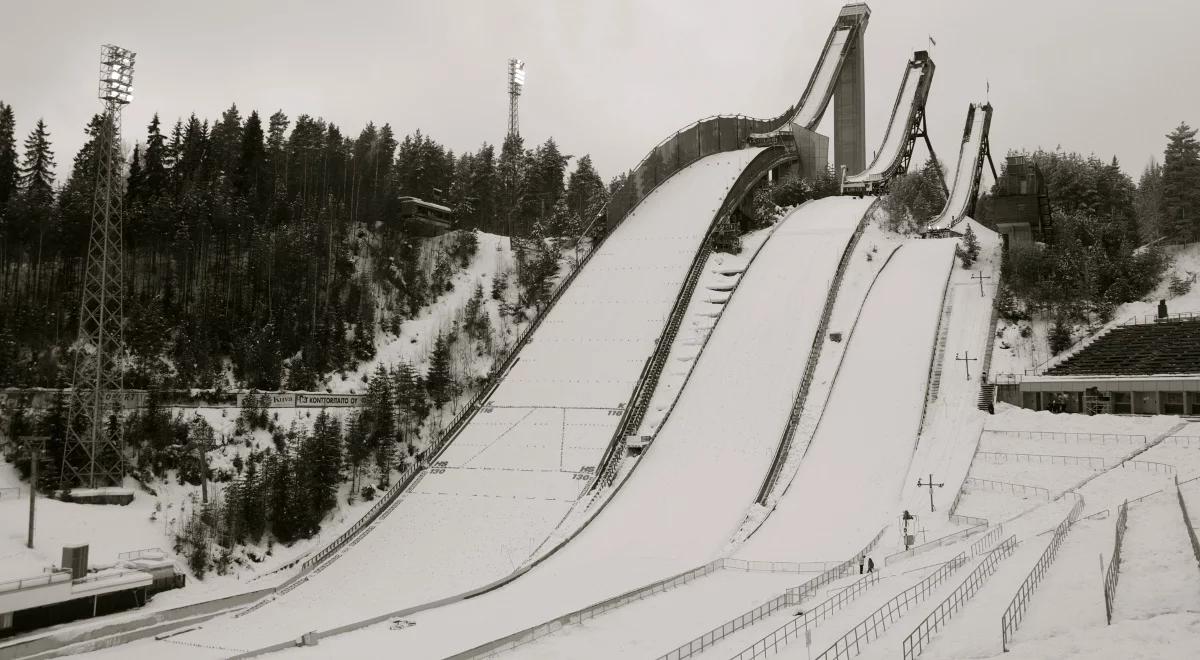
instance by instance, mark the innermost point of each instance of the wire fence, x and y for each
(997, 457)
(1064, 436)
(1187, 523)
(915, 643)
(1023, 490)
(801, 622)
(1015, 612)
(934, 544)
(987, 540)
(1113, 572)
(851, 644)
(141, 552)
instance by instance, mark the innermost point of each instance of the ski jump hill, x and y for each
(528, 508)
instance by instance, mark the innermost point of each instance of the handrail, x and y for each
(1113, 572)
(804, 621)
(1053, 459)
(36, 581)
(934, 544)
(1065, 436)
(814, 354)
(914, 644)
(984, 542)
(1187, 523)
(850, 644)
(1005, 486)
(1015, 612)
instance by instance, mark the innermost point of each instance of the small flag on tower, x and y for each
(931, 41)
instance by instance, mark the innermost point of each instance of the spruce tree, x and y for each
(1181, 185)
(9, 172)
(37, 167)
(440, 381)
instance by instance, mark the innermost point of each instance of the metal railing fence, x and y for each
(850, 644)
(997, 457)
(1149, 466)
(1006, 487)
(915, 643)
(795, 627)
(1071, 436)
(987, 540)
(1015, 612)
(1187, 523)
(36, 581)
(1113, 572)
(1183, 441)
(934, 544)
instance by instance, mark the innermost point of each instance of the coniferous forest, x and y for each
(243, 239)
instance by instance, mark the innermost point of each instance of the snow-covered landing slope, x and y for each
(512, 474)
(849, 482)
(692, 486)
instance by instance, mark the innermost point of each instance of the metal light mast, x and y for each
(92, 457)
(516, 80)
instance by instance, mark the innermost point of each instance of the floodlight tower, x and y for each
(92, 456)
(516, 80)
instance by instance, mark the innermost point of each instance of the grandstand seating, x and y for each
(1163, 347)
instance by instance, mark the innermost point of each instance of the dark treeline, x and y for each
(242, 237)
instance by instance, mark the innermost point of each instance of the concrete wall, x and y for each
(849, 112)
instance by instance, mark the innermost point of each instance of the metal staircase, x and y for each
(939, 352)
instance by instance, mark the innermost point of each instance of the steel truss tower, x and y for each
(92, 457)
(516, 80)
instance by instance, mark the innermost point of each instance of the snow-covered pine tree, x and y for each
(439, 381)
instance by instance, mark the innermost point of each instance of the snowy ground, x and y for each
(865, 434)
(514, 472)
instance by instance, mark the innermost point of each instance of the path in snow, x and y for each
(1158, 571)
(1071, 595)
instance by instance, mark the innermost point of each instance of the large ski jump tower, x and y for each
(92, 454)
(849, 105)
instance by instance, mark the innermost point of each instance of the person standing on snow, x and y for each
(870, 565)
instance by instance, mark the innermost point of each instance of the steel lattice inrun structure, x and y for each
(92, 456)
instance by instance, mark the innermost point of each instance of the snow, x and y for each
(964, 172)
(690, 489)
(1158, 570)
(517, 471)
(897, 129)
(852, 462)
(821, 86)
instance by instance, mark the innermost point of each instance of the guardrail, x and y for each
(1006, 487)
(36, 581)
(958, 519)
(1149, 466)
(810, 366)
(801, 622)
(915, 643)
(934, 544)
(1113, 572)
(1015, 612)
(996, 457)
(1064, 436)
(984, 542)
(850, 644)
(1187, 523)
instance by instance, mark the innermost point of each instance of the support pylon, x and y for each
(92, 455)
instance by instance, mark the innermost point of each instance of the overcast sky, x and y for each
(610, 77)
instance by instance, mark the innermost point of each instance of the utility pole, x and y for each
(981, 277)
(930, 484)
(966, 360)
(34, 444)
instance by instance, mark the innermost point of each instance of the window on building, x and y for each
(1172, 403)
(1121, 403)
(1193, 399)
